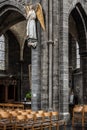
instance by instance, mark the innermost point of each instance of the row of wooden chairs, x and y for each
(79, 115)
(28, 119)
(11, 105)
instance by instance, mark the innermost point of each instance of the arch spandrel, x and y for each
(11, 12)
(73, 3)
(78, 12)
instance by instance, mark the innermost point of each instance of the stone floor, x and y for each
(69, 127)
(76, 127)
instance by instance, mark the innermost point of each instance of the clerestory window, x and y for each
(77, 56)
(2, 52)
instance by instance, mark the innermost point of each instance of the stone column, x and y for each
(36, 79)
(55, 55)
(21, 80)
(50, 73)
(50, 55)
(36, 70)
(44, 60)
(63, 61)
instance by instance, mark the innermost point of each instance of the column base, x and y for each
(65, 116)
(50, 109)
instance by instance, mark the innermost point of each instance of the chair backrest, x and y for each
(30, 116)
(78, 109)
(24, 113)
(47, 116)
(2, 110)
(41, 111)
(38, 117)
(77, 115)
(54, 115)
(33, 112)
(85, 110)
(5, 116)
(85, 106)
(28, 110)
(21, 118)
(14, 114)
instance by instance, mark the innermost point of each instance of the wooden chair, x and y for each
(5, 121)
(62, 122)
(77, 115)
(54, 119)
(20, 122)
(24, 122)
(29, 121)
(46, 120)
(38, 120)
(84, 114)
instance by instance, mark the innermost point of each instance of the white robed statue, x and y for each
(32, 14)
(31, 25)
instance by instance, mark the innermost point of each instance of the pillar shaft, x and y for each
(50, 55)
(63, 62)
(36, 79)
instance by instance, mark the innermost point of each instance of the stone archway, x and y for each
(12, 18)
(79, 34)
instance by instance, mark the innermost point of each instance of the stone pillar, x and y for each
(63, 62)
(21, 80)
(44, 60)
(84, 75)
(50, 73)
(55, 31)
(50, 54)
(36, 79)
(36, 70)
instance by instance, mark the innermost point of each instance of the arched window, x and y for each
(77, 56)
(2, 52)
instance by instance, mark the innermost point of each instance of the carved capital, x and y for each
(50, 42)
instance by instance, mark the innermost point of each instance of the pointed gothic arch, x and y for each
(78, 15)
(80, 19)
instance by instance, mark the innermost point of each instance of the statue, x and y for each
(33, 13)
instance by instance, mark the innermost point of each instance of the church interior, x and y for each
(42, 75)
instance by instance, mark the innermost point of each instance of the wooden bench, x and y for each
(11, 106)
